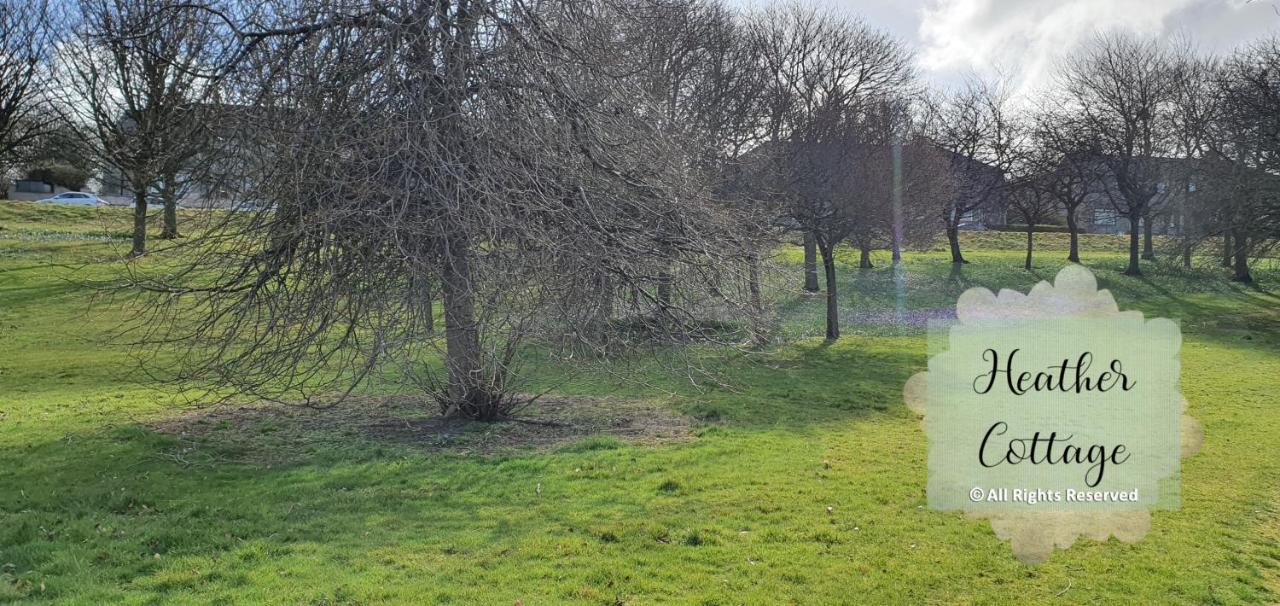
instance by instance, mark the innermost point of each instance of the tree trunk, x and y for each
(466, 393)
(170, 198)
(760, 333)
(429, 309)
(471, 391)
(897, 203)
(864, 260)
(600, 307)
(1134, 227)
(1184, 232)
(1227, 251)
(1030, 237)
(1241, 265)
(753, 282)
(953, 238)
(833, 307)
(1148, 251)
(1074, 254)
(810, 263)
(421, 288)
(139, 223)
(664, 290)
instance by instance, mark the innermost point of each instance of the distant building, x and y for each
(30, 189)
(982, 187)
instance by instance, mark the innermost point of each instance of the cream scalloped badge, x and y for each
(1054, 414)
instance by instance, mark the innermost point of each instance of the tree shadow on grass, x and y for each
(1209, 308)
(281, 434)
(40, 294)
(813, 382)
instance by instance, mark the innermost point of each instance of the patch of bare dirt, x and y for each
(278, 433)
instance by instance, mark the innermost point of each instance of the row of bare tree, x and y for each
(1150, 132)
(469, 177)
(118, 85)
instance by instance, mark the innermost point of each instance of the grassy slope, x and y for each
(95, 509)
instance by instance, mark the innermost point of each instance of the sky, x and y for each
(1025, 38)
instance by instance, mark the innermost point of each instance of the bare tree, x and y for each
(501, 152)
(1197, 104)
(188, 148)
(26, 41)
(826, 80)
(1123, 90)
(1033, 196)
(839, 177)
(821, 175)
(696, 61)
(785, 43)
(891, 185)
(1243, 155)
(132, 79)
(893, 204)
(1068, 161)
(843, 187)
(974, 124)
(820, 67)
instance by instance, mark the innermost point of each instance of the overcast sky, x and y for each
(1026, 37)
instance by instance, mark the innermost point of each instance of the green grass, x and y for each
(97, 508)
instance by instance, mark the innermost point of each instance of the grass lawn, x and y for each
(99, 506)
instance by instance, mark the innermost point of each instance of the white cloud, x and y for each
(1026, 38)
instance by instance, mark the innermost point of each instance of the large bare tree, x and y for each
(500, 156)
(820, 70)
(1123, 90)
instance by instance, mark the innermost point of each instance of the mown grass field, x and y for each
(98, 506)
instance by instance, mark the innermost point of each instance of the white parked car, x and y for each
(75, 198)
